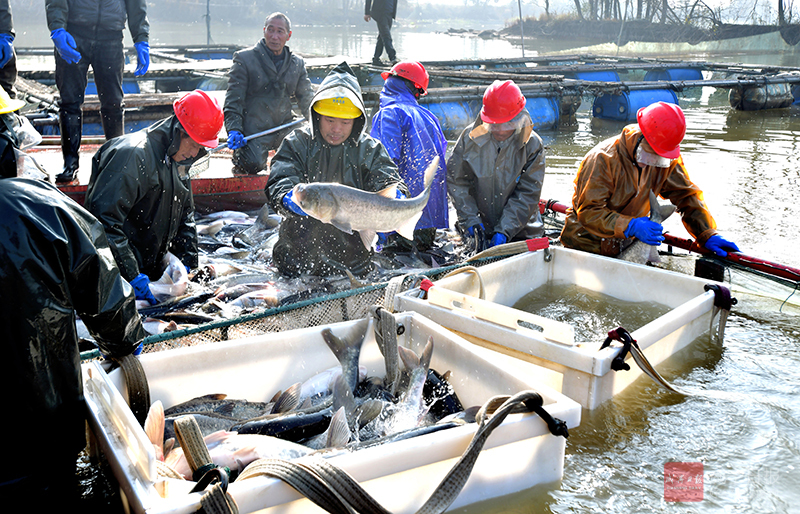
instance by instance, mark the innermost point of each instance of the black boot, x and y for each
(70, 125)
(113, 124)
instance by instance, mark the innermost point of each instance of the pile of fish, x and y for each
(236, 275)
(338, 408)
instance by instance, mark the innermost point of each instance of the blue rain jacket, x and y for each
(413, 137)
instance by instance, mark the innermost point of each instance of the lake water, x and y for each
(748, 167)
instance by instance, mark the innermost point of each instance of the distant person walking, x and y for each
(383, 12)
(261, 84)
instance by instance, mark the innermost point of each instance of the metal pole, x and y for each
(208, 22)
(521, 31)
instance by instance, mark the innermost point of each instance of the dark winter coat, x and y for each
(54, 262)
(144, 199)
(305, 245)
(99, 19)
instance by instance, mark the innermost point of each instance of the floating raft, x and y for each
(554, 86)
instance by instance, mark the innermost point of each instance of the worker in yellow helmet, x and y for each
(334, 148)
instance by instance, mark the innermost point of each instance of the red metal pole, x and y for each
(771, 268)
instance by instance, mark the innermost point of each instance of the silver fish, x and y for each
(639, 252)
(347, 351)
(349, 209)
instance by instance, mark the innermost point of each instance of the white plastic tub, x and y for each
(577, 369)
(519, 454)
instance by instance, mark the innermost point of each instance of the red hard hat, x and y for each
(410, 70)
(501, 102)
(200, 116)
(663, 126)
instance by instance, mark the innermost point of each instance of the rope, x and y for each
(471, 269)
(190, 439)
(336, 491)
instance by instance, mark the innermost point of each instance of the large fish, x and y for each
(349, 209)
(640, 252)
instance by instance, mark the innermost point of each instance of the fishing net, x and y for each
(333, 308)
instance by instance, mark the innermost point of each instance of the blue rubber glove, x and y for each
(65, 45)
(141, 288)
(645, 230)
(142, 58)
(6, 48)
(383, 238)
(471, 230)
(718, 245)
(399, 195)
(498, 239)
(288, 202)
(236, 140)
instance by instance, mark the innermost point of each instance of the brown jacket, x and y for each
(610, 191)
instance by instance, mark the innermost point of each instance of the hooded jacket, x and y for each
(610, 191)
(498, 183)
(144, 199)
(259, 96)
(99, 19)
(54, 261)
(306, 245)
(413, 137)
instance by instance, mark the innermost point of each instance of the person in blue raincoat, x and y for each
(413, 137)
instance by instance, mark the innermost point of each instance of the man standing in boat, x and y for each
(383, 12)
(495, 173)
(261, 84)
(89, 33)
(612, 189)
(54, 262)
(335, 148)
(141, 192)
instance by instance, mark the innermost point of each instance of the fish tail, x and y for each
(430, 172)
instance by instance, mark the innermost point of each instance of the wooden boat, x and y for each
(215, 189)
(575, 367)
(520, 453)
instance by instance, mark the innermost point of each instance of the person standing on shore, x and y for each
(383, 12)
(261, 84)
(89, 33)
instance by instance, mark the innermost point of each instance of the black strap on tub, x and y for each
(629, 344)
(136, 382)
(334, 490)
(722, 296)
(621, 335)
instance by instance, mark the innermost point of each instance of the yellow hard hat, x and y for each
(7, 104)
(338, 107)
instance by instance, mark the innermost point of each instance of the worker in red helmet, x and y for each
(611, 204)
(413, 137)
(495, 173)
(141, 192)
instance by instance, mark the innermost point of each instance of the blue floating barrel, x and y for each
(673, 74)
(128, 87)
(453, 116)
(212, 84)
(544, 111)
(623, 107)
